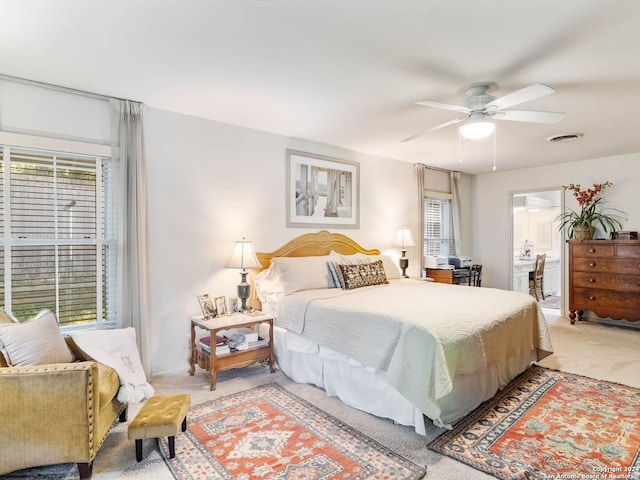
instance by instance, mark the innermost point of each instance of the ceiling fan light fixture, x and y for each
(477, 129)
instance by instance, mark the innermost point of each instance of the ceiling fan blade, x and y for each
(446, 124)
(523, 95)
(529, 116)
(445, 106)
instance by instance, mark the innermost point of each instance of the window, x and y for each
(438, 237)
(58, 248)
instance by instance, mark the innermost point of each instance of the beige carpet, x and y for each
(599, 351)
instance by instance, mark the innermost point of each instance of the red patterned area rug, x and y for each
(269, 433)
(550, 425)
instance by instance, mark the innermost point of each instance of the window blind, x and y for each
(59, 256)
(437, 226)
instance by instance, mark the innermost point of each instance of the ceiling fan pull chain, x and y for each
(494, 150)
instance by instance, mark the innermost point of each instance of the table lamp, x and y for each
(404, 240)
(243, 257)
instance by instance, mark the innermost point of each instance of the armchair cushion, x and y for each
(37, 341)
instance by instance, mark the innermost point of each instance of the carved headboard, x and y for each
(307, 245)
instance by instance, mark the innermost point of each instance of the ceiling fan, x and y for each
(478, 107)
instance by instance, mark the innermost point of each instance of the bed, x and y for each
(395, 347)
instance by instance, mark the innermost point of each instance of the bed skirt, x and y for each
(366, 389)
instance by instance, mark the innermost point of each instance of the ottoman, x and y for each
(160, 416)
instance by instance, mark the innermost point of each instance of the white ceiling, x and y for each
(348, 72)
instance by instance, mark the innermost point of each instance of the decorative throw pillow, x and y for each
(362, 275)
(37, 341)
(391, 270)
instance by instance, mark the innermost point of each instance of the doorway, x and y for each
(534, 232)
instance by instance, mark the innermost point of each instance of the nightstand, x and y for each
(234, 359)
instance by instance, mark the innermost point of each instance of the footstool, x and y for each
(160, 416)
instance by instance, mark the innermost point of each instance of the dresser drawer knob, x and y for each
(592, 264)
(592, 297)
(592, 280)
(592, 250)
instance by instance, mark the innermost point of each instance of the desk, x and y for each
(444, 275)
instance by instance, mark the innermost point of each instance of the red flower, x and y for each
(585, 197)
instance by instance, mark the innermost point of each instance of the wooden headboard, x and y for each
(307, 245)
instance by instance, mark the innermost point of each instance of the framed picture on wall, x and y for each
(322, 191)
(208, 309)
(221, 306)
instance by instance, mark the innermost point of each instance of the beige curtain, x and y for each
(454, 178)
(420, 171)
(128, 154)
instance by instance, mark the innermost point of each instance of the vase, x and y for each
(582, 233)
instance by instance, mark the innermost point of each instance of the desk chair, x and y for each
(536, 278)
(475, 275)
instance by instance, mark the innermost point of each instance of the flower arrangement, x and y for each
(582, 225)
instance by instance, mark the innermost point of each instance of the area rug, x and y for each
(549, 424)
(269, 433)
(551, 302)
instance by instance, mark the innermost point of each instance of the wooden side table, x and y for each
(234, 359)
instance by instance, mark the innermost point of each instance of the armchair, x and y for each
(56, 413)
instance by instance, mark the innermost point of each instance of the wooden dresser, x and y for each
(604, 277)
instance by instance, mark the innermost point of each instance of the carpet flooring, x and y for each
(549, 424)
(606, 352)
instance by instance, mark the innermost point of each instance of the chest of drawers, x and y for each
(604, 277)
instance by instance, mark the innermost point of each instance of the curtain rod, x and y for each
(438, 169)
(58, 88)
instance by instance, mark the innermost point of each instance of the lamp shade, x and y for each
(404, 238)
(243, 256)
(476, 129)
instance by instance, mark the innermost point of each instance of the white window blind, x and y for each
(437, 226)
(57, 251)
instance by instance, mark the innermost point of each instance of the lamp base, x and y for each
(244, 291)
(404, 264)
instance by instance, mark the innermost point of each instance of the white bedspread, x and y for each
(421, 334)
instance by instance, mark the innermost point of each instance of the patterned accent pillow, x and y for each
(362, 275)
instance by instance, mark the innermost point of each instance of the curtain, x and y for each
(455, 210)
(132, 303)
(420, 170)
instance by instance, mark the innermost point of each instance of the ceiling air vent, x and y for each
(571, 137)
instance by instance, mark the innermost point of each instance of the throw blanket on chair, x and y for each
(117, 349)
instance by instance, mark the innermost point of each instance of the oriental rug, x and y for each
(549, 425)
(269, 433)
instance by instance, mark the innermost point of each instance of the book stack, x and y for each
(221, 345)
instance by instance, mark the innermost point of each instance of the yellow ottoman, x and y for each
(161, 416)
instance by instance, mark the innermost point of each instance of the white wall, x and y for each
(212, 183)
(491, 212)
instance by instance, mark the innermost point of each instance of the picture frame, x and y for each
(322, 191)
(208, 309)
(221, 306)
(233, 305)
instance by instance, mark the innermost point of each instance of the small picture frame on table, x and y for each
(208, 309)
(233, 305)
(221, 306)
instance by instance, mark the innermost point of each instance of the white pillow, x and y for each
(267, 283)
(37, 341)
(302, 273)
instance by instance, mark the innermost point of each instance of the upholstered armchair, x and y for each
(56, 413)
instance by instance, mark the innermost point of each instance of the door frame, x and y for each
(563, 256)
